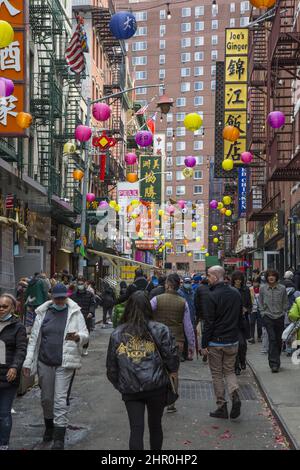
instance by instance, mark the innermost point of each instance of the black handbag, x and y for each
(171, 394)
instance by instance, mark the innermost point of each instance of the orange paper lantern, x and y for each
(231, 133)
(24, 120)
(263, 3)
(78, 175)
(132, 177)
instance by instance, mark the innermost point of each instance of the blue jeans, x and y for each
(7, 396)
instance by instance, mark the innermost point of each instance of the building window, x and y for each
(199, 11)
(141, 91)
(180, 248)
(185, 86)
(199, 56)
(162, 44)
(169, 161)
(213, 85)
(139, 46)
(169, 131)
(140, 15)
(179, 175)
(199, 41)
(214, 55)
(245, 6)
(180, 117)
(141, 75)
(186, 42)
(232, 7)
(162, 74)
(180, 146)
(185, 72)
(198, 144)
(185, 27)
(169, 190)
(180, 190)
(214, 24)
(186, 12)
(232, 22)
(199, 160)
(199, 256)
(198, 71)
(186, 57)
(198, 175)
(244, 21)
(180, 131)
(180, 102)
(169, 117)
(162, 30)
(198, 189)
(141, 31)
(179, 162)
(162, 14)
(169, 146)
(139, 60)
(214, 9)
(198, 86)
(198, 100)
(162, 59)
(199, 26)
(169, 176)
(214, 40)
(213, 70)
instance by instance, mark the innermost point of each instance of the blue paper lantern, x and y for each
(123, 25)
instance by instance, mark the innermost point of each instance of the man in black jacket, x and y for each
(220, 340)
(160, 289)
(87, 302)
(140, 283)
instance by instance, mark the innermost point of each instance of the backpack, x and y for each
(118, 314)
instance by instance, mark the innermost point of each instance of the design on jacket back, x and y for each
(136, 348)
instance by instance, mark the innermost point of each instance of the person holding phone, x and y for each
(54, 352)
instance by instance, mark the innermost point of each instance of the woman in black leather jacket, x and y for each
(135, 369)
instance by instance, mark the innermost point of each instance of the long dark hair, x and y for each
(238, 275)
(138, 312)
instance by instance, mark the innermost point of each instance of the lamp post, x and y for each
(90, 102)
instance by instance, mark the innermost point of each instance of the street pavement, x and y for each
(98, 417)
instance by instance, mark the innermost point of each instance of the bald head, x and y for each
(215, 274)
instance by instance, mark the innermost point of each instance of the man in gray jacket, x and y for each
(273, 304)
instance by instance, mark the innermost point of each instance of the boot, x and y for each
(59, 438)
(236, 405)
(48, 434)
(221, 412)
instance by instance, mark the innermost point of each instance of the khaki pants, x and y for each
(221, 362)
(180, 346)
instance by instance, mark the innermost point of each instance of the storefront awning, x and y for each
(119, 259)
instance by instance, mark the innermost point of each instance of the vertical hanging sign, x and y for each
(13, 66)
(242, 188)
(150, 176)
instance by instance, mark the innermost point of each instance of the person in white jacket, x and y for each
(54, 353)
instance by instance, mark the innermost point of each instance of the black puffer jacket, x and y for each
(224, 316)
(86, 301)
(133, 364)
(13, 336)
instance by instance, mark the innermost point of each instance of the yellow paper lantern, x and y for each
(132, 177)
(227, 200)
(188, 172)
(220, 205)
(78, 175)
(192, 122)
(198, 239)
(140, 234)
(216, 240)
(163, 247)
(134, 216)
(112, 204)
(168, 244)
(262, 3)
(203, 248)
(227, 164)
(6, 34)
(162, 237)
(69, 148)
(135, 202)
(161, 212)
(117, 208)
(155, 241)
(194, 224)
(160, 250)
(231, 133)
(190, 254)
(206, 254)
(214, 228)
(228, 213)
(24, 120)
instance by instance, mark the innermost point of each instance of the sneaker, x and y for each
(85, 352)
(251, 341)
(236, 405)
(275, 370)
(171, 409)
(221, 412)
(13, 412)
(109, 322)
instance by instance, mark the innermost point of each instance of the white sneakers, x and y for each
(85, 352)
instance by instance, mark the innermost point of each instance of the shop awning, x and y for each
(119, 259)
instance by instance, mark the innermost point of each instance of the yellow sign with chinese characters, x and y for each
(234, 149)
(236, 69)
(236, 96)
(237, 119)
(237, 40)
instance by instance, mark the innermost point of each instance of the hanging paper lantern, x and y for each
(188, 172)
(194, 224)
(6, 87)
(231, 133)
(227, 164)
(206, 254)
(220, 205)
(213, 204)
(246, 157)
(103, 205)
(161, 212)
(123, 25)
(160, 250)
(223, 210)
(155, 241)
(101, 111)
(135, 202)
(170, 210)
(181, 204)
(140, 234)
(262, 3)
(69, 148)
(162, 237)
(6, 34)
(216, 240)
(90, 197)
(276, 119)
(83, 133)
(117, 208)
(192, 122)
(203, 248)
(190, 254)
(78, 175)
(132, 177)
(198, 239)
(190, 162)
(112, 204)
(144, 138)
(134, 216)
(227, 200)
(24, 120)
(168, 244)
(228, 213)
(130, 158)
(214, 228)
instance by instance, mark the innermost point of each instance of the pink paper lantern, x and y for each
(171, 210)
(103, 205)
(6, 87)
(190, 162)
(181, 204)
(130, 158)
(276, 119)
(90, 197)
(83, 133)
(144, 138)
(246, 157)
(101, 111)
(213, 204)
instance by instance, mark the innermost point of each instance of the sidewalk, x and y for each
(281, 390)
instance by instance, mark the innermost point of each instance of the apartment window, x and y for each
(213, 85)
(198, 86)
(245, 6)
(214, 24)
(139, 60)
(162, 44)
(162, 30)
(199, 256)
(232, 22)
(140, 15)
(169, 131)
(169, 161)
(198, 189)
(186, 42)
(180, 102)
(185, 27)
(141, 75)
(169, 117)
(214, 9)
(198, 175)
(180, 248)
(186, 12)
(180, 131)
(185, 86)
(199, 26)
(198, 71)
(162, 74)
(180, 117)
(169, 176)
(169, 146)
(199, 41)
(232, 7)
(141, 91)
(162, 14)
(199, 160)
(198, 100)
(185, 57)
(213, 70)
(214, 40)
(185, 72)
(141, 31)
(162, 59)
(198, 144)
(244, 21)
(199, 131)
(179, 162)
(180, 146)
(179, 175)
(198, 56)
(180, 190)
(199, 11)
(169, 190)
(214, 55)
(139, 46)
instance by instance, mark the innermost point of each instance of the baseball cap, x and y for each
(59, 290)
(187, 280)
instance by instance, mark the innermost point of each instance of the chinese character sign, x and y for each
(12, 66)
(150, 186)
(242, 187)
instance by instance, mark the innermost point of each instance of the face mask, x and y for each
(81, 287)
(59, 308)
(6, 317)
(187, 286)
(256, 290)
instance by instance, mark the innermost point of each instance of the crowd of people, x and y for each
(158, 323)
